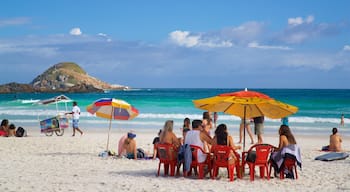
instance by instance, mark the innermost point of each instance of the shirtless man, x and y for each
(335, 141)
(130, 146)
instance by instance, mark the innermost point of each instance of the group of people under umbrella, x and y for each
(244, 104)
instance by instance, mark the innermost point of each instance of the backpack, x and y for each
(20, 132)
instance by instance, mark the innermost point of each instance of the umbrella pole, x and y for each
(110, 124)
(244, 125)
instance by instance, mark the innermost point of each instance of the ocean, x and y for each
(319, 109)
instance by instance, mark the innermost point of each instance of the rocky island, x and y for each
(64, 77)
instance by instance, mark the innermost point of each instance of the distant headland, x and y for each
(66, 77)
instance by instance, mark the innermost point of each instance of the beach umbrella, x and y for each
(110, 108)
(246, 104)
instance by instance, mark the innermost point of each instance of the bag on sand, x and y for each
(251, 156)
(20, 132)
(140, 153)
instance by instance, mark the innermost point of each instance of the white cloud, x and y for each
(300, 30)
(14, 21)
(244, 33)
(41, 51)
(105, 36)
(102, 34)
(299, 20)
(256, 45)
(295, 21)
(309, 19)
(184, 38)
(75, 31)
(346, 48)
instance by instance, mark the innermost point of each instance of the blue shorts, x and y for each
(75, 123)
(130, 156)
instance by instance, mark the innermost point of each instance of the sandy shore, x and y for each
(40, 163)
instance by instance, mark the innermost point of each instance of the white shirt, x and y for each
(193, 138)
(76, 112)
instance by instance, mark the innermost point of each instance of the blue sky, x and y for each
(181, 44)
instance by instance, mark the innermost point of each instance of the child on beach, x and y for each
(12, 130)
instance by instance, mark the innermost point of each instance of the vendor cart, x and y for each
(57, 123)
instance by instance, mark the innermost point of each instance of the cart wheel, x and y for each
(49, 133)
(59, 132)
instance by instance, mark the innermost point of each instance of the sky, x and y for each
(182, 43)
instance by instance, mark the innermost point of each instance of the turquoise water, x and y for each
(319, 109)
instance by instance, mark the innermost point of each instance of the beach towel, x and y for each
(291, 151)
(185, 156)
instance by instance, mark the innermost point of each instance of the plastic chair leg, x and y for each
(262, 172)
(158, 169)
(166, 169)
(251, 172)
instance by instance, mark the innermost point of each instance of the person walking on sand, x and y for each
(342, 120)
(76, 114)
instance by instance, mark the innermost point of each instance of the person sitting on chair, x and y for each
(287, 145)
(197, 136)
(223, 138)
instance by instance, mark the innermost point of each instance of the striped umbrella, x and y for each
(110, 108)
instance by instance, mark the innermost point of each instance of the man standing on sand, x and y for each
(259, 128)
(76, 114)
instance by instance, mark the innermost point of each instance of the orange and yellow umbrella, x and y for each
(246, 104)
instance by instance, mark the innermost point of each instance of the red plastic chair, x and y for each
(291, 165)
(195, 164)
(221, 159)
(263, 152)
(167, 155)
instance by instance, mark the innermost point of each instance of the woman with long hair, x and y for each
(286, 148)
(286, 137)
(223, 138)
(168, 136)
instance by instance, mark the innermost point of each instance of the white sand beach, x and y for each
(39, 163)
